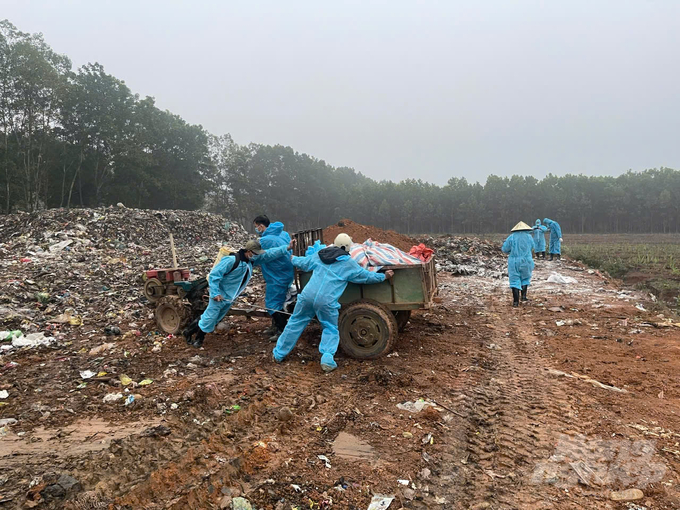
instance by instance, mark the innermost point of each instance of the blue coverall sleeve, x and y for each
(305, 264)
(269, 255)
(543, 229)
(507, 246)
(557, 229)
(360, 275)
(218, 272)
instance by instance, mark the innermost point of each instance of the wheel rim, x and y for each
(169, 318)
(366, 330)
(153, 289)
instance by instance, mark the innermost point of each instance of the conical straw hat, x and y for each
(520, 227)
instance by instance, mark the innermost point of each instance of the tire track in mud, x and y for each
(515, 414)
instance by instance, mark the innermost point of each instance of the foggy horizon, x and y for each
(400, 90)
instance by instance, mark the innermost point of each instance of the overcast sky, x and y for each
(400, 89)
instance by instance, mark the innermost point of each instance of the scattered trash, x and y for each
(574, 375)
(627, 495)
(558, 278)
(403, 482)
(145, 382)
(407, 435)
(125, 380)
(380, 502)
(414, 407)
(87, 374)
(33, 340)
(129, 400)
(494, 347)
(241, 504)
(556, 309)
(112, 397)
(4, 422)
(9, 335)
(4, 394)
(112, 330)
(641, 308)
(325, 459)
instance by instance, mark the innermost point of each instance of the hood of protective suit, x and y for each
(547, 221)
(274, 229)
(538, 223)
(331, 254)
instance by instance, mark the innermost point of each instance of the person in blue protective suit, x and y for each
(539, 239)
(555, 238)
(278, 273)
(332, 269)
(518, 246)
(227, 280)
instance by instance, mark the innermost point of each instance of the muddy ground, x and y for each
(528, 414)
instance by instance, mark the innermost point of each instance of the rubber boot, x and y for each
(559, 256)
(191, 330)
(198, 341)
(524, 292)
(280, 320)
(515, 297)
(551, 256)
(272, 328)
(543, 257)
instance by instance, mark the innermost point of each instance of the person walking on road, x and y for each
(519, 246)
(555, 238)
(332, 269)
(539, 239)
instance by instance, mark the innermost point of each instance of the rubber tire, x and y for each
(402, 317)
(182, 311)
(383, 323)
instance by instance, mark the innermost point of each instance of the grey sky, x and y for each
(400, 89)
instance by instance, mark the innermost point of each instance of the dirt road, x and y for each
(527, 413)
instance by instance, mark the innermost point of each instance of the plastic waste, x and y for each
(33, 340)
(112, 397)
(9, 335)
(558, 278)
(87, 374)
(241, 504)
(380, 502)
(415, 407)
(129, 400)
(125, 380)
(4, 394)
(145, 382)
(325, 459)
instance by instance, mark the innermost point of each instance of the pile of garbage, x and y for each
(468, 256)
(81, 269)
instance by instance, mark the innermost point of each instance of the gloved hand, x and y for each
(389, 274)
(561, 240)
(218, 298)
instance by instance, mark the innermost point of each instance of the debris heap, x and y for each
(76, 267)
(468, 256)
(360, 233)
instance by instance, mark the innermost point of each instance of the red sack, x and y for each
(422, 252)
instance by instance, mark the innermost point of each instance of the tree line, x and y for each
(83, 139)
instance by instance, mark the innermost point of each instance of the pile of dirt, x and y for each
(360, 233)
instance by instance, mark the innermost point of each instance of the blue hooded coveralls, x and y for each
(555, 236)
(230, 286)
(539, 237)
(520, 262)
(278, 273)
(332, 270)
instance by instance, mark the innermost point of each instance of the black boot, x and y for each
(198, 341)
(559, 257)
(551, 256)
(280, 319)
(543, 255)
(515, 297)
(524, 292)
(190, 330)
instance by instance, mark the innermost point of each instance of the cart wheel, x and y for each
(367, 330)
(172, 314)
(402, 317)
(153, 289)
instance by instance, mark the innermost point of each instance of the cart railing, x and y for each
(305, 239)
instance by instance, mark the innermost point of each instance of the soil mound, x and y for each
(360, 233)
